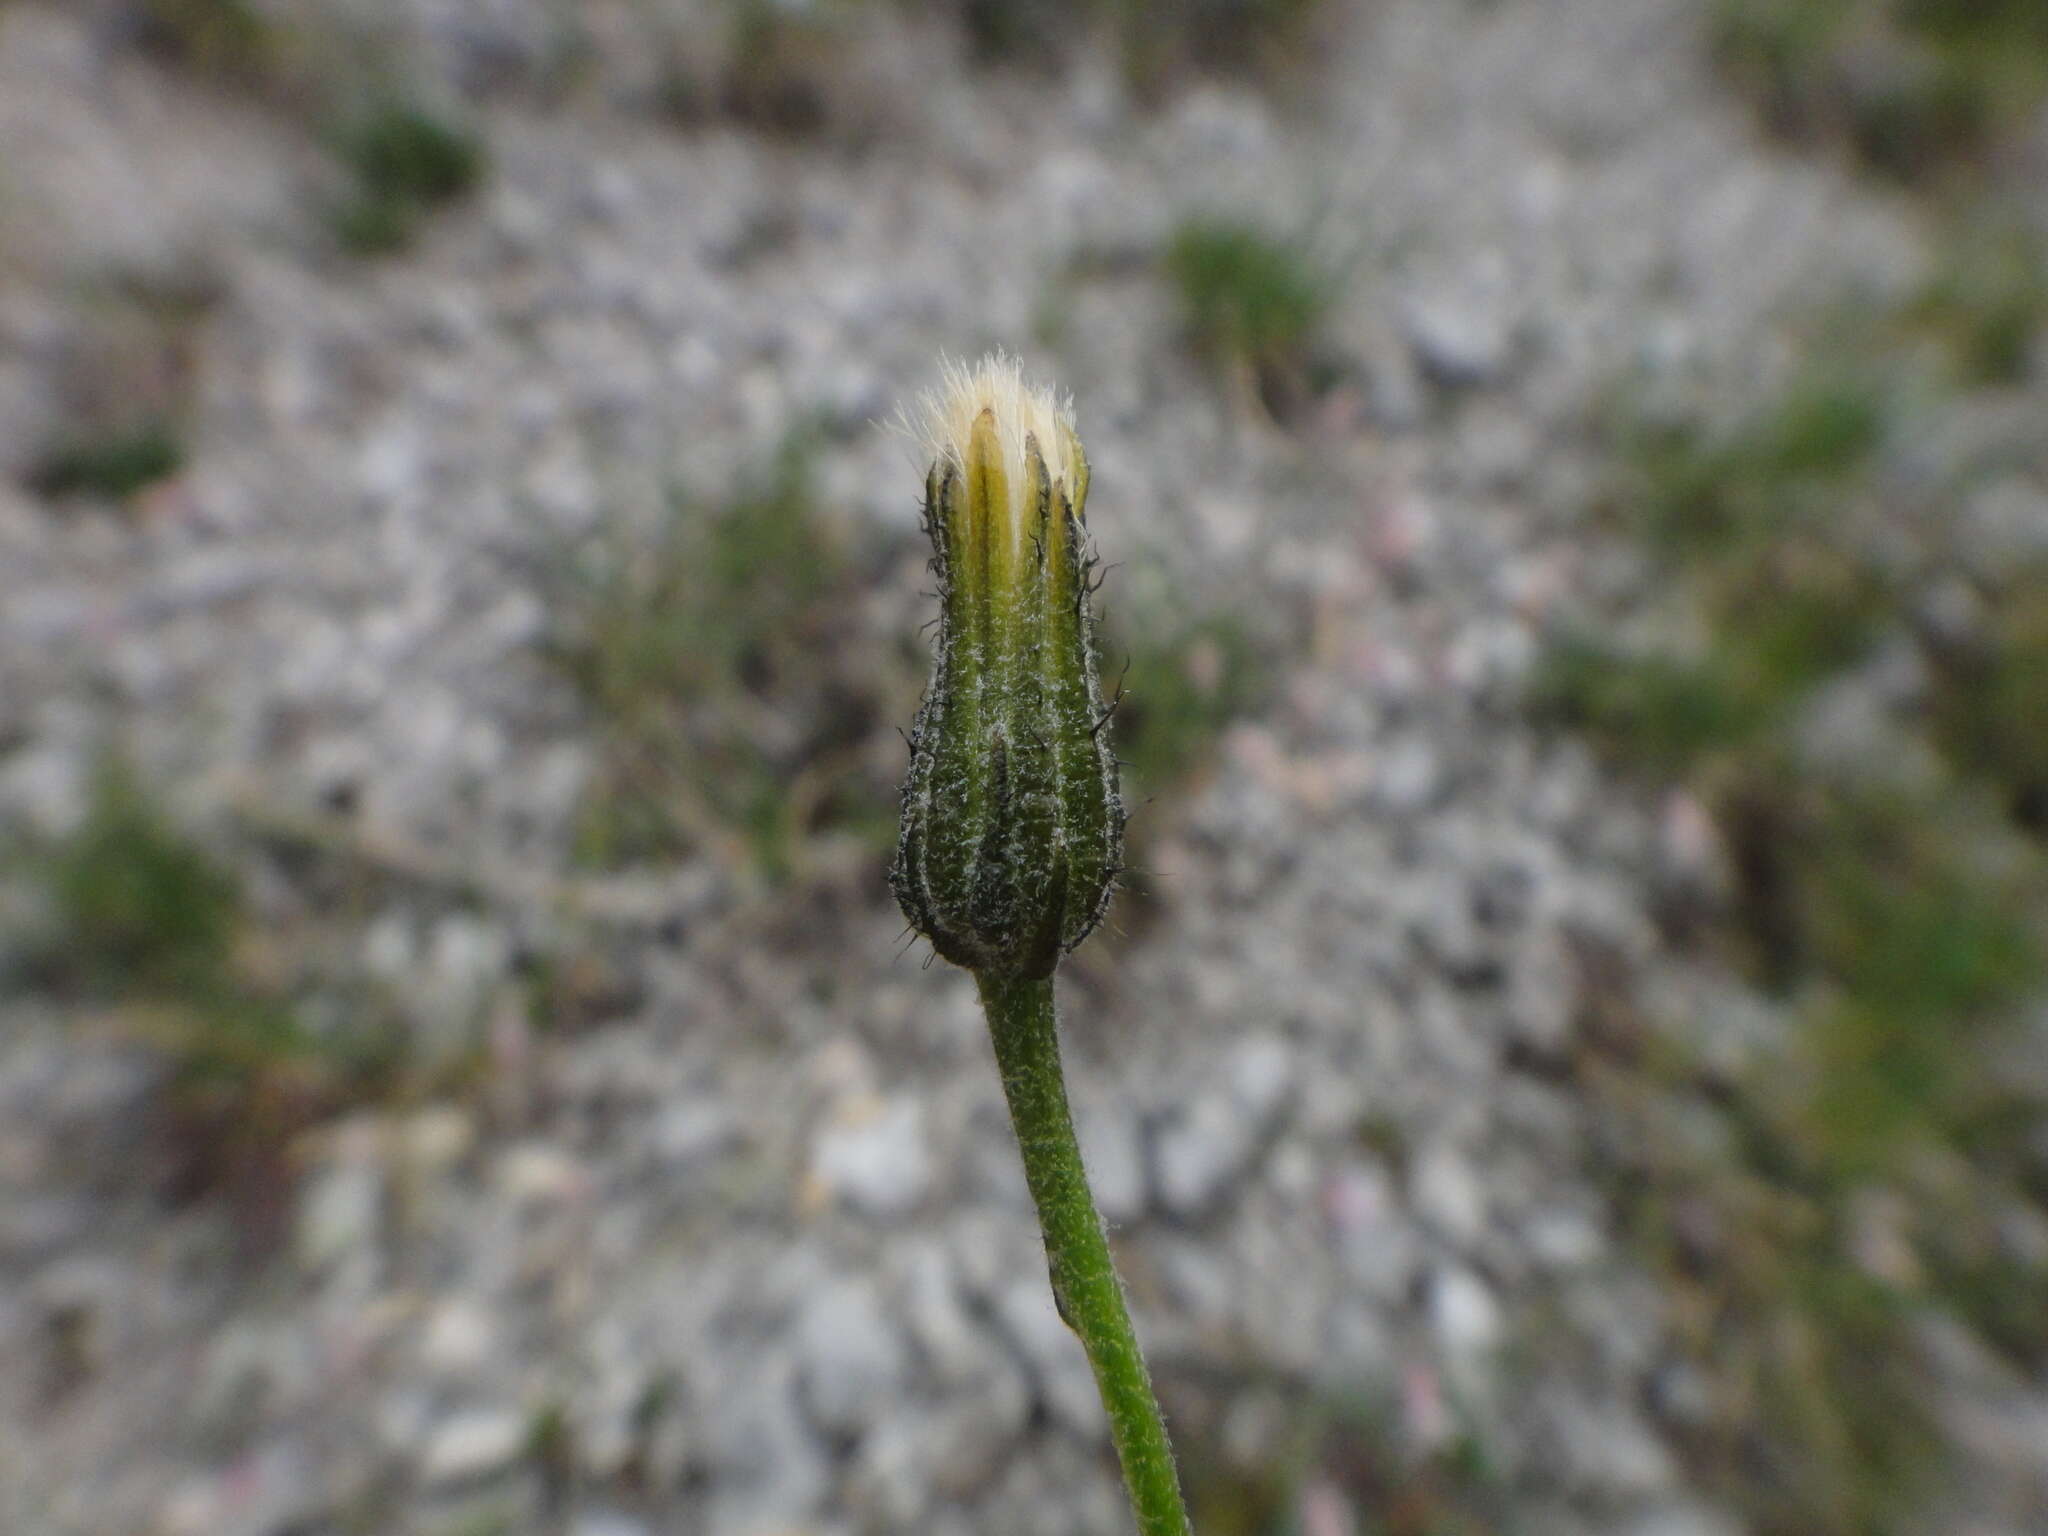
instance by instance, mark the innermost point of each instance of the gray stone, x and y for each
(272, 1489)
(605, 1522)
(1681, 1519)
(1539, 1010)
(1447, 1193)
(1378, 1250)
(1059, 1366)
(1196, 1279)
(687, 1136)
(1409, 778)
(876, 1162)
(1461, 342)
(1395, 399)
(37, 1228)
(1563, 1238)
(1198, 1153)
(1113, 1150)
(987, 1249)
(1951, 613)
(1465, 1317)
(45, 786)
(1681, 1393)
(477, 1444)
(434, 1140)
(974, 1428)
(984, 1399)
(924, 1278)
(1449, 932)
(991, 1172)
(458, 1339)
(769, 1472)
(850, 1358)
(2002, 526)
(890, 1487)
(1261, 1076)
(1604, 1449)
(1203, 1148)
(341, 1214)
(466, 958)
(26, 417)
(537, 1173)
(1848, 733)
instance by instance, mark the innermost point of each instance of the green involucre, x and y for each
(1012, 828)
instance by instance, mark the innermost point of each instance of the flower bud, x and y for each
(1012, 831)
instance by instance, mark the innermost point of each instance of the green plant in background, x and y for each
(1783, 468)
(1914, 86)
(797, 71)
(143, 919)
(404, 161)
(1012, 826)
(779, 69)
(138, 906)
(113, 465)
(1186, 681)
(1753, 515)
(1992, 711)
(1987, 302)
(1158, 45)
(1251, 303)
(143, 934)
(124, 374)
(1896, 910)
(1266, 39)
(716, 654)
(1342, 1465)
(226, 40)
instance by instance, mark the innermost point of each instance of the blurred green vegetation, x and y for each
(113, 463)
(144, 919)
(1913, 86)
(126, 368)
(1183, 682)
(1901, 915)
(733, 713)
(137, 906)
(1752, 515)
(1253, 305)
(781, 68)
(1178, 680)
(1351, 1454)
(1988, 301)
(144, 937)
(1245, 295)
(1992, 711)
(1779, 470)
(1159, 45)
(778, 72)
(403, 160)
(230, 41)
(1269, 40)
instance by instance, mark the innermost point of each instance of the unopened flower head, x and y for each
(1012, 831)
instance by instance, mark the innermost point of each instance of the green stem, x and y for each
(1020, 1020)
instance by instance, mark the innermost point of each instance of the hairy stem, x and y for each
(1084, 1283)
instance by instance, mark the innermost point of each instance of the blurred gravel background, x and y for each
(458, 594)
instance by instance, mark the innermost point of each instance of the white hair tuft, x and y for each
(944, 418)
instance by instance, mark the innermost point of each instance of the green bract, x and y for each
(1012, 829)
